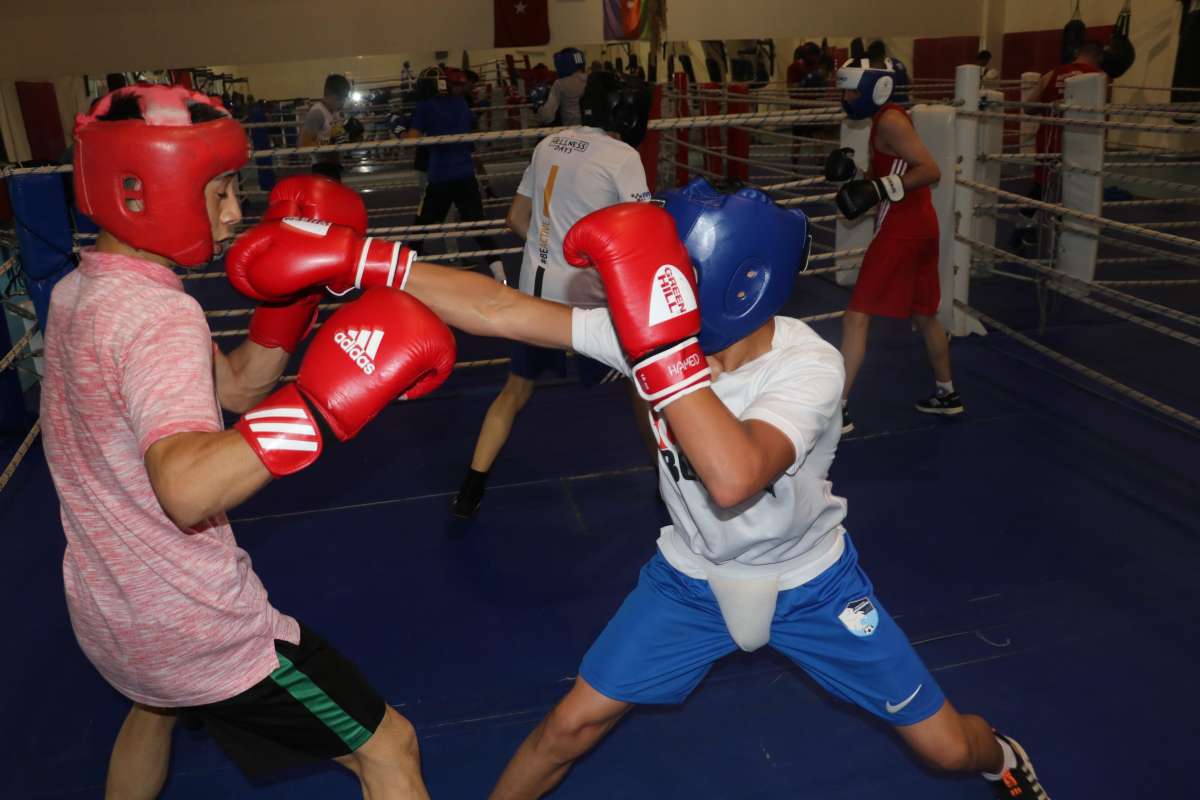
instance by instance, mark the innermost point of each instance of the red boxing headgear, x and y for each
(159, 165)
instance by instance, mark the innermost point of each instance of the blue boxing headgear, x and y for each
(747, 252)
(568, 61)
(873, 84)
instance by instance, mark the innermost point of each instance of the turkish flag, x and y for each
(521, 22)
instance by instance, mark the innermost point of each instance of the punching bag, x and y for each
(1074, 35)
(1187, 58)
(1118, 55)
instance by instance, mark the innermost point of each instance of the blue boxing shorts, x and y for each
(529, 362)
(669, 631)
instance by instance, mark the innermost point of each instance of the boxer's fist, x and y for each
(651, 289)
(840, 166)
(382, 346)
(856, 198)
(284, 324)
(275, 261)
(317, 197)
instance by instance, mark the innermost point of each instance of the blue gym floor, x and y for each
(1041, 552)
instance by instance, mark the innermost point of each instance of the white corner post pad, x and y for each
(748, 606)
(893, 187)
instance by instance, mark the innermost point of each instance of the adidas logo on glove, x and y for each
(361, 346)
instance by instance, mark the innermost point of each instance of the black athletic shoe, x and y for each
(1020, 782)
(946, 405)
(470, 494)
(847, 423)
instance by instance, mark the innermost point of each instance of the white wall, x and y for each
(73, 37)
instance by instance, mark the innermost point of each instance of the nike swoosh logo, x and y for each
(896, 709)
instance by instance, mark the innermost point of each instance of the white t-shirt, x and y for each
(573, 173)
(793, 528)
(564, 97)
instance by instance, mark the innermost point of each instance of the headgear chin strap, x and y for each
(747, 252)
(143, 180)
(873, 84)
(568, 61)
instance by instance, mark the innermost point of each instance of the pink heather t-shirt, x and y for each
(169, 617)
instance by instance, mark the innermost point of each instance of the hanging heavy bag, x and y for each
(1119, 54)
(1074, 35)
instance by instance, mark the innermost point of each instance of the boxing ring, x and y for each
(1028, 548)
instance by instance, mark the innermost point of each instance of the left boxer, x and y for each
(162, 601)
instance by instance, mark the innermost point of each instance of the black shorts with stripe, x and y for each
(315, 706)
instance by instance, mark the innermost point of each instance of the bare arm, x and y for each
(734, 459)
(197, 475)
(479, 305)
(896, 136)
(520, 214)
(247, 374)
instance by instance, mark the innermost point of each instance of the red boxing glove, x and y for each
(651, 290)
(317, 197)
(284, 325)
(277, 260)
(382, 346)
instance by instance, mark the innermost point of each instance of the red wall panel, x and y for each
(937, 57)
(39, 107)
(1040, 51)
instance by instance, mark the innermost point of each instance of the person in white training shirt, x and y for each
(325, 124)
(745, 405)
(571, 174)
(562, 101)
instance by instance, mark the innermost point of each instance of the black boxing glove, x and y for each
(354, 130)
(840, 166)
(856, 198)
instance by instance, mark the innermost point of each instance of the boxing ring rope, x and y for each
(1081, 215)
(8, 360)
(1082, 287)
(1095, 375)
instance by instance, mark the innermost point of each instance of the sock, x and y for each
(474, 482)
(1010, 761)
(944, 389)
(497, 269)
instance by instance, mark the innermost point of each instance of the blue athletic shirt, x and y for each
(441, 116)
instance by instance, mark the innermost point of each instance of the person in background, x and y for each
(324, 124)
(450, 170)
(562, 103)
(983, 61)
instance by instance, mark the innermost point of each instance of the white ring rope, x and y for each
(1086, 123)
(1164, 282)
(1081, 215)
(1095, 375)
(1082, 287)
(667, 123)
(19, 455)
(21, 344)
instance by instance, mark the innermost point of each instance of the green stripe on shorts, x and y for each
(322, 706)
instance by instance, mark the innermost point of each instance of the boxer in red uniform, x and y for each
(1050, 90)
(1049, 135)
(899, 275)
